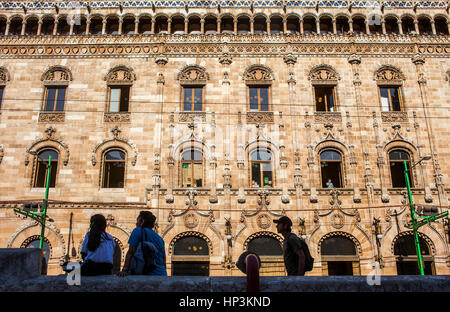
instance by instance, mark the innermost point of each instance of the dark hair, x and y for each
(149, 219)
(97, 228)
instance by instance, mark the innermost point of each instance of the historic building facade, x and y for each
(221, 116)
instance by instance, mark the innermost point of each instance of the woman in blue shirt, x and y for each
(98, 249)
(143, 231)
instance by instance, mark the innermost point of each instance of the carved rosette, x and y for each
(394, 117)
(51, 117)
(264, 221)
(117, 117)
(259, 117)
(327, 117)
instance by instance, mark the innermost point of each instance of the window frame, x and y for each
(120, 87)
(103, 167)
(315, 86)
(341, 167)
(259, 87)
(193, 87)
(37, 166)
(2, 93)
(400, 96)
(410, 159)
(201, 162)
(55, 101)
(272, 167)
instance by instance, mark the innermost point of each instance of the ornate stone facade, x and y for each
(226, 49)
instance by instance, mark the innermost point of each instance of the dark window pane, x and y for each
(330, 155)
(50, 103)
(60, 99)
(41, 168)
(1, 96)
(265, 246)
(36, 244)
(192, 155)
(338, 246)
(114, 174)
(405, 246)
(198, 99)
(253, 98)
(191, 246)
(124, 98)
(384, 93)
(256, 175)
(264, 99)
(331, 171)
(190, 268)
(395, 98)
(267, 174)
(398, 174)
(45, 155)
(187, 99)
(115, 155)
(398, 155)
(261, 155)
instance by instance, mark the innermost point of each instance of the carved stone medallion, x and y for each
(337, 220)
(190, 220)
(264, 221)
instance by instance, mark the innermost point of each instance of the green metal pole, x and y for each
(414, 222)
(44, 214)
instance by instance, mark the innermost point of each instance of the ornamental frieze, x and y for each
(51, 117)
(394, 116)
(117, 117)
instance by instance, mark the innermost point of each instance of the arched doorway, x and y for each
(34, 242)
(339, 256)
(270, 251)
(406, 257)
(190, 256)
(117, 256)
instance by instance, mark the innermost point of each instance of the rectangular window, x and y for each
(41, 174)
(259, 98)
(325, 98)
(119, 99)
(193, 99)
(192, 174)
(390, 99)
(114, 174)
(54, 99)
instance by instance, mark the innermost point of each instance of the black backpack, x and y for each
(309, 261)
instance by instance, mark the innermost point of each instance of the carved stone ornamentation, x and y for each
(323, 74)
(337, 220)
(327, 117)
(193, 74)
(51, 117)
(258, 74)
(4, 76)
(259, 117)
(394, 117)
(57, 74)
(191, 220)
(120, 74)
(192, 117)
(264, 221)
(388, 74)
(117, 117)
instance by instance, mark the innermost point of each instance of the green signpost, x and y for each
(40, 215)
(415, 223)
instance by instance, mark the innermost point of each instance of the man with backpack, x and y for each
(297, 258)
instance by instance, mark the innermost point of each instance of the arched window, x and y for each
(128, 25)
(145, 25)
(34, 242)
(226, 25)
(261, 168)
(31, 26)
(441, 26)
(309, 25)
(342, 25)
(161, 25)
(408, 25)
(359, 25)
(331, 169)
(425, 26)
(324, 80)
(96, 26)
(339, 256)
(326, 25)
(243, 25)
(276, 25)
(40, 174)
(177, 25)
(56, 79)
(390, 80)
(119, 80)
(406, 256)
(112, 25)
(15, 27)
(259, 80)
(270, 252)
(63, 27)
(193, 80)
(48, 24)
(396, 162)
(259, 25)
(3, 23)
(194, 25)
(190, 257)
(192, 168)
(293, 25)
(114, 169)
(391, 25)
(79, 25)
(210, 25)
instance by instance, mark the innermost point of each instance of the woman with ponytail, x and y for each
(98, 249)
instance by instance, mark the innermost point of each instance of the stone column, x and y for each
(88, 25)
(169, 26)
(334, 26)
(318, 26)
(213, 167)
(268, 25)
(380, 160)
(400, 27)
(284, 24)
(416, 26)
(367, 28)
(202, 25)
(419, 60)
(350, 25)
(55, 27)
(24, 23)
(8, 24)
(171, 162)
(120, 25)
(152, 30)
(136, 25)
(383, 26)
(235, 23)
(104, 26)
(218, 25)
(301, 26)
(433, 27)
(186, 25)
(71, 28)
(448, 26)
(252, 25)
(39, 27)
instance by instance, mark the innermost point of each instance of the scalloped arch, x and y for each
(187, 234)
(342, 234)
(260, 234)
(411, 233)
